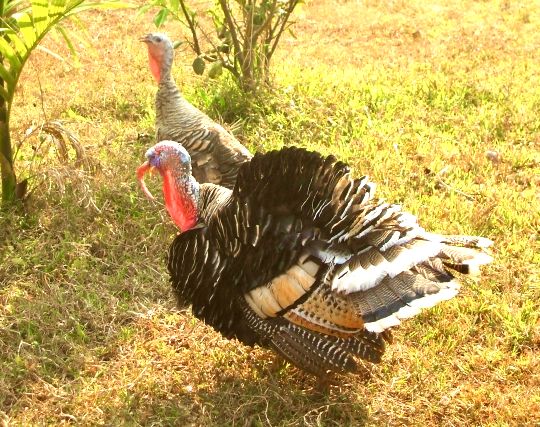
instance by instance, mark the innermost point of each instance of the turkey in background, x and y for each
(216, 154)
(301, 258)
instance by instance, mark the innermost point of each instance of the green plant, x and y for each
(24, 24)
(246, 35)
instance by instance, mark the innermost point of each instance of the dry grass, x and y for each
(411, 93)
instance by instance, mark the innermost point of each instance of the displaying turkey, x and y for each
(301, 258)
(215, 153)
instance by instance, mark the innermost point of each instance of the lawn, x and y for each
(439, 103)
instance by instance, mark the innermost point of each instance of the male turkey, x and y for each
(301, 258)
(216, 154)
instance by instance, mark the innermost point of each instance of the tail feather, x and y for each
(468, 241)
(459, 240)
(429, 281)
(433, 269)
(366, 345)
(464, 260)
(313, 352)
(400, 297)
(294, 352)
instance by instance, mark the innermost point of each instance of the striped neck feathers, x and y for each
(181, 193)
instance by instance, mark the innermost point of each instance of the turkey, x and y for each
(216, 154)
(301, 258)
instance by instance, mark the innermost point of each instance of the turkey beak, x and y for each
(145, 39)
(141, 170)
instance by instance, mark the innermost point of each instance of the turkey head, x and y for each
(160, 54)
(180, 190)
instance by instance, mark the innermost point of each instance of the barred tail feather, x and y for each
(428, 282)
(399, 298)
(311, 351)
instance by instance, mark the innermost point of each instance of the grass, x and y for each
(412, 94)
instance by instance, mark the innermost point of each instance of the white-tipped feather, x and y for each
(389, 322)
(391, 241)
(410, 235)
(484, 242)
(433, 237)
(374, 213)
(407, 312)
(475, 263)
(413, 308)
(407, 219)
(362, 279)
(480, 259)
(371, 186)
(479, 242)
(382, 324)
(430, 300)
(374, 327)
(328, 256)
(359, 236)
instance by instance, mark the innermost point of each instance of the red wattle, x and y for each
(155, 66)
(181, 208)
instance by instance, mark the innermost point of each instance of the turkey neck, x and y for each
(187, 201)
(181, 193)
(212, 198)
(174, 114)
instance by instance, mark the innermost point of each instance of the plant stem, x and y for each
(191, 24)
(232, 28)
(6, 155)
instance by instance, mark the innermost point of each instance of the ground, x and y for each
(437, 102)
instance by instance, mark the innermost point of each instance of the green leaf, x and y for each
(145, 8)
(51, 53)
(40, 15)
(67, 39)
(7, 51)
(57, 9)
(198, 66)
(174, 5)
(259, 18)
(19, 47)
(78, 33)
(216, 69)
(27, 29)
(6, 76)
(13, 6)
(4, 94)
(160, 17)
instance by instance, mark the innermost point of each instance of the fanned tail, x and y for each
(402, 292)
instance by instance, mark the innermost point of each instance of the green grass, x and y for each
(88, 330)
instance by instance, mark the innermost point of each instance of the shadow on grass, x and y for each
(282, 401)
(287, 399)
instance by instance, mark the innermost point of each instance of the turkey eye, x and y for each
(158, 39)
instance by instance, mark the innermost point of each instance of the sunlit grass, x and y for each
(88, 330)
